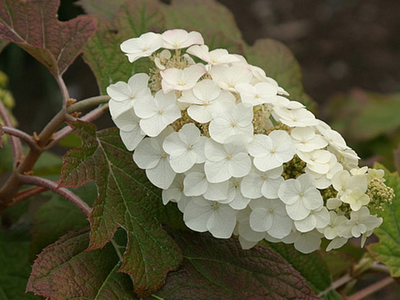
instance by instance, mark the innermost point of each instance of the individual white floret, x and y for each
(180, 38)
(306, 139)
(269, 215)
(185, 148)
(258, 184)
(157, 113)
(228, 77)
(214, 57)
(227, 160)
(202, 99)
(304, 242)
(300, 196)
(316, 219)
(260, 76)
(333, 137)
(129, 129)
(271, 151)
(331, 231)
(196, 184)
(142, 46)
(317, 161)
(361, 222)
(322, 181)
(150, 155)
(294, 117)
(162, 58)
(344, 183)
(123, 94)
(230, 119)
(260, 93)
(203, 215)
(174, 79)
(356, 198)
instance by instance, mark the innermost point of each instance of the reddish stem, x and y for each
(53, 186)
(15, 142)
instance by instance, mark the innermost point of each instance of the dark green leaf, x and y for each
(311, 266)
(65, 271)
(103, 53)
(33, 25)
(14, 265)
(221, 269)
(278, 62)
(387, 250)
(126, 199)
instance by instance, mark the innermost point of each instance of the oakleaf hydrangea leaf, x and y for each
(65, 271)
(32, 24)
(103, 53)
(14, 265)
(126, 199)
(280, 64)
(221, 269)
(311, 266)
(387, 250)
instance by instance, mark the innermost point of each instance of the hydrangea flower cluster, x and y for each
(222, 139)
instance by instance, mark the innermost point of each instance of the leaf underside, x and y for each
(65, 271)
(33, 25)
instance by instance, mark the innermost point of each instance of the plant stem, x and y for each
(27, 193)
(13, 184)
(21, 135)
(53, 186)
(337, 283)
(371, 289)
(87, 103)
(94, 114)
(15, 142)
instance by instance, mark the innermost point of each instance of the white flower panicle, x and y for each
(223, 141)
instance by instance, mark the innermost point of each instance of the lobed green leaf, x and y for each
(127, 200)
(221, 269)
(387, 250)
(65, 271)
(33, 25)
(311, 266)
